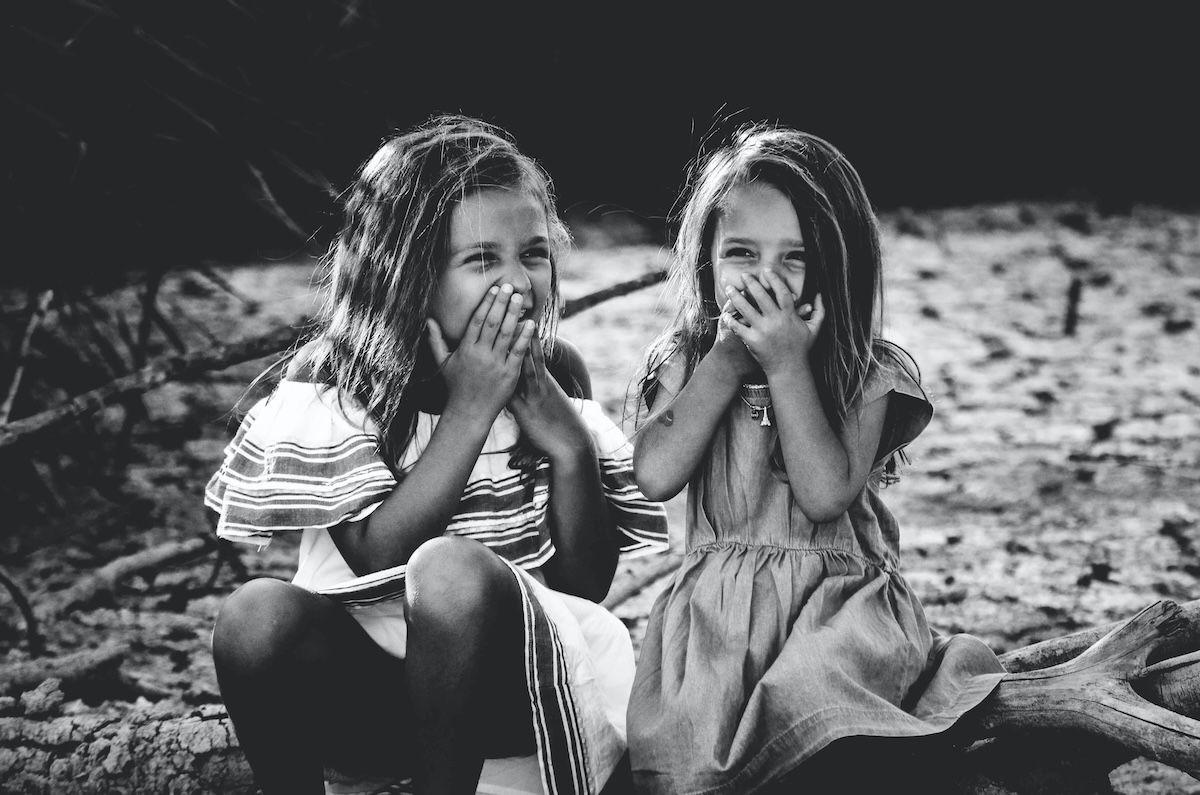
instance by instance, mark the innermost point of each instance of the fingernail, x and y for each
(516, 298)
(506, 288)
(494, 290)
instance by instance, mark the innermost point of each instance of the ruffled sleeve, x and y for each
(300, 459)
(643, 522)
(909, 410)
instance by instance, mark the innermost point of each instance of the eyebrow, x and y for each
(793, 242)
(487, 245)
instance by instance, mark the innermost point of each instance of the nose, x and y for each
(518, 277)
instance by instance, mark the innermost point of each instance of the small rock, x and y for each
(43, 701)
(1175, 325)
(1103, 431)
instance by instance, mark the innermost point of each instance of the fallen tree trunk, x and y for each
(143, 751)
(156, 751)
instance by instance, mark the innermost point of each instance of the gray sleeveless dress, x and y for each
(778, 636)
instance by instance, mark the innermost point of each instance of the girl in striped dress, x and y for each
(462, 501)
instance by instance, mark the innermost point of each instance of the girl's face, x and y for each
(497, 237)
(757, 231)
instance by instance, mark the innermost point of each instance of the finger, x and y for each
(739, 302)
(781, 292)
(760, 294)
(495, 315)
(508, 325)
(818, 313)
(520, 345)
(479, 317)
(437, 343)
(730, 319)
(537, 358)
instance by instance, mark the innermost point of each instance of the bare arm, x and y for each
(826, 470)
(585, 537)
(672, 442)
(481, 375)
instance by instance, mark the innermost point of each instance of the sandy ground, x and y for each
(1058, 486)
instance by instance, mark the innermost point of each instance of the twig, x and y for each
(105, 579)
(169, 330)
(143, 336)
(99, 319)
(226, 285)
(19, 676)
(273, 204)
(157, 372)
(40, 305)
(37, 645)
(577, 305)
(199, 327)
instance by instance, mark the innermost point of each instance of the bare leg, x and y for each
(306, 686)
(465, 662)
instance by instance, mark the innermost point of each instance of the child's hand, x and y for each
(776, 332)
(544, 411)
(735, 358)
(482, 372)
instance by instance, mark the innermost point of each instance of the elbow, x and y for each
(822, 510)
(655, 489)
(652, 480)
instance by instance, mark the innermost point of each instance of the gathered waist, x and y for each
(711, 547)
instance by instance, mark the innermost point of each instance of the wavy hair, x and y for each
(841, 235)
(383, 269)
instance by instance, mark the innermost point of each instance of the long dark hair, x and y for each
(383, 270)
(844, 259)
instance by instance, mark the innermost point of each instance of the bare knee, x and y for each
(259, 626)
(455, 580)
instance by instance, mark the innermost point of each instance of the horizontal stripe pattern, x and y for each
(303, 459)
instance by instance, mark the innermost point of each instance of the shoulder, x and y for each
(566, 364)
(303, 366)
(893, 371)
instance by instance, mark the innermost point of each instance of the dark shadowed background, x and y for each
(150, 134)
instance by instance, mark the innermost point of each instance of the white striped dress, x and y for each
(303, 460)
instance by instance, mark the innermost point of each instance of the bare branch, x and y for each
(37, 646)
(577, 305)
(38, 307)
(105, 579)
(19, 676)
(157, 372)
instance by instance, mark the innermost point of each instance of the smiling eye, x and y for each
(794, 258)
(482, 260)
(738, 252)
(537, 252)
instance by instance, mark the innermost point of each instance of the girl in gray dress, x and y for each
(788, 625)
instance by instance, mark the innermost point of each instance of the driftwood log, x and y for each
(1097, 701)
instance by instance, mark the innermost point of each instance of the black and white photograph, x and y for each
(599, 400)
